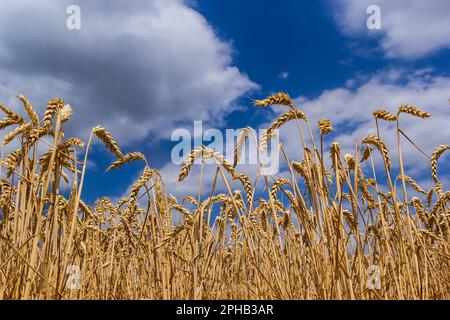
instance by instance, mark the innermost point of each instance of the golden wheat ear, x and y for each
(245, 181)
(241, 139)
(6, 122)
(143, 179)
(29, 109)
(413, 184)
(189, 162)
(12, 115)
(413, 111)
(277, 186)
(366, 154)
(23, 129)
(293, 114)
(381, 146)
(129, 157)
(66, 113)
(53, 106)
(280, 98)
(336, 161)
(437, 153)
(13, 160)
(325, 126)
(109, 142)
(384, 115)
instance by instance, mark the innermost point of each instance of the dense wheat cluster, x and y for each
(312, 236)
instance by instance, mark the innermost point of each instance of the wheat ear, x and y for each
(143, 179)
(384, 115)
(129, 157)
(280, 98)
(11, 114)
(413, 184)
(18, 130)
(336, 162)
(437, 153)
(66, 113)
(6, 122)
(325, 126)
(110, 144)
(246, 184)
(414, 111)
(242, 137)
(381, 146)
(189, 162)
(29, 109)
(53, 106)
(279, 122)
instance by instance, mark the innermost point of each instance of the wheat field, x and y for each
(316, 235)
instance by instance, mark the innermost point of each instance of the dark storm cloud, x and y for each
(134, 66)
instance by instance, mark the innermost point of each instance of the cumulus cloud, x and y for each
(138, 68)
(410, 29)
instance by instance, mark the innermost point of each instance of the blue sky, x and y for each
(144, 68)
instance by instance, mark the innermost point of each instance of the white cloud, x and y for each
(133, 67)
(283, 75)
(410, 29)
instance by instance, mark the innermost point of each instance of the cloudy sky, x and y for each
(143, 68)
